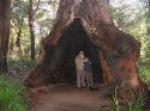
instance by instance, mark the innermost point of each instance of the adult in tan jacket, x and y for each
(80, 76)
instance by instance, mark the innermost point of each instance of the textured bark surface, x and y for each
(118, 52)
(4, 33)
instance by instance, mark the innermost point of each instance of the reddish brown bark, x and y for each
(118, 51)
(4, 33)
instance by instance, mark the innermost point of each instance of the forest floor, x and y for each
(61, 97)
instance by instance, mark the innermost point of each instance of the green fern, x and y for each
(12, 95)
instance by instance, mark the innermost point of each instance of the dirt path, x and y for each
(69, 98)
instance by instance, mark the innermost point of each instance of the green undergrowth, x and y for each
(128, 104)
(12, 94)
(21, 64)
(145, 73)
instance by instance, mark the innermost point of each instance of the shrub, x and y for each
(128, 104)
(21, 64)
(145, 73)
(12, 94)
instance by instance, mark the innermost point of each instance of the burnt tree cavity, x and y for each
(61, 60)
(74, 40)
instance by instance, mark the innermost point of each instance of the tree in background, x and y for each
(19, 14)
(148, 29)
(31, 25)
(133, 17)
(20, 39)
(4, 33)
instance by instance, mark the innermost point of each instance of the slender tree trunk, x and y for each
(11, 45)
(4, 33)
(148, 28)
(31, 25)
(18, 40)
(148, 17)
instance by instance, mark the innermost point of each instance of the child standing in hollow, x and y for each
(88, 73)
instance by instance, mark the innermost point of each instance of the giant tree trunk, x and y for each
(116, 51)
(4, 33)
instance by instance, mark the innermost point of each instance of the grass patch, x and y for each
(12, 94)
(145, 73)
(133, 103)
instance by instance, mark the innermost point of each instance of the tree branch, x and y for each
(38, 4)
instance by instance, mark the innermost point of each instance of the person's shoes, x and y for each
(93, 88)
(78, 86)
(83, 85)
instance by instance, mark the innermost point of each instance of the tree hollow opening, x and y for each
(73, 40)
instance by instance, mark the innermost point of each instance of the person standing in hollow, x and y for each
(79, 60)
(88, 73)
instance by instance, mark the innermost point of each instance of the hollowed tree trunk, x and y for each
(117, 52)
